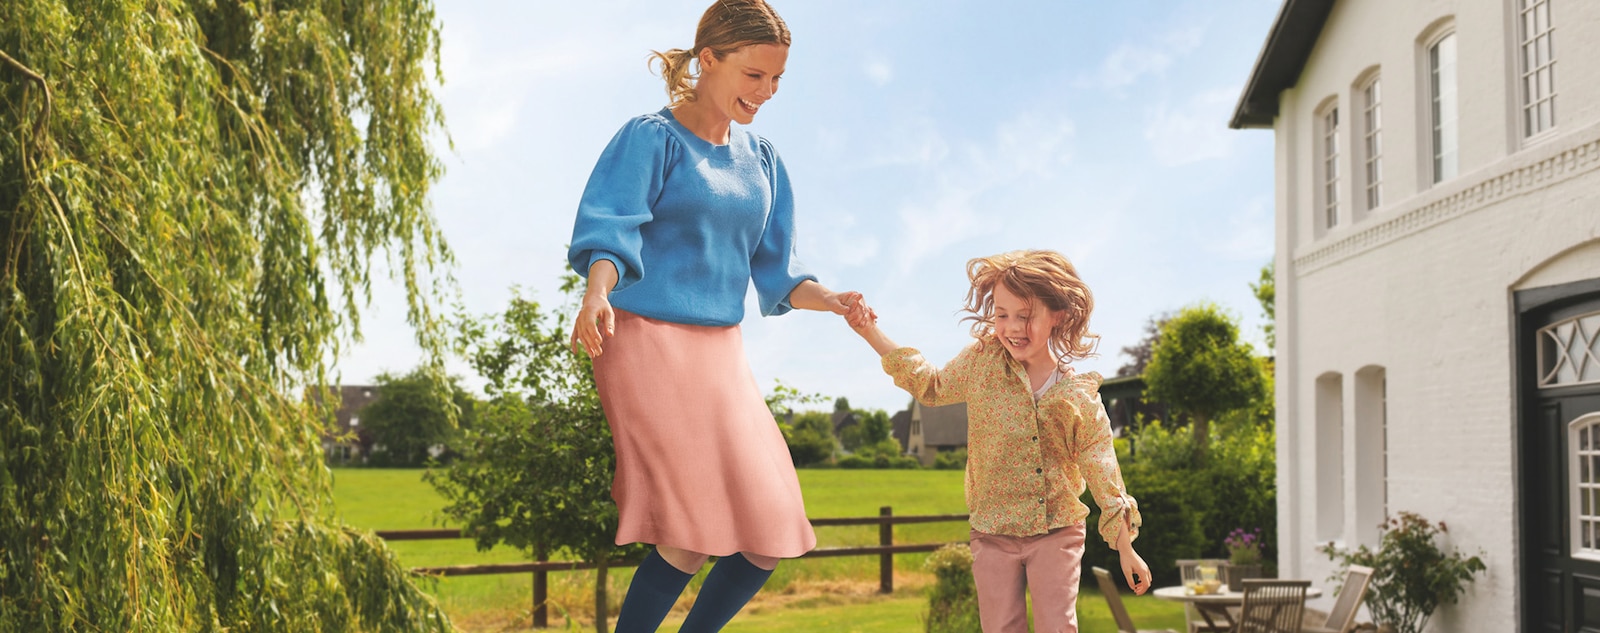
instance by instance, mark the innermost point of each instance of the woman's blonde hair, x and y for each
(726, 26)
(1036, 276)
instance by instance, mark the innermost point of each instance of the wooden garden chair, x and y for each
(1188, 570)
(1342, 618)
(1114, 600)
(1272, 606)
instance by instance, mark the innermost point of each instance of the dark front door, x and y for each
(1558, 341)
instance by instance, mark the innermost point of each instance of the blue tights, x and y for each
(731, 583)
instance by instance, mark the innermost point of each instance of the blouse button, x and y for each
(1041, 500)
(1038, 470)
(1035, 438)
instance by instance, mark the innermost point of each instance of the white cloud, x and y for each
(1028, 148)
(1193, 132)
(879, 71)
(1128, 63)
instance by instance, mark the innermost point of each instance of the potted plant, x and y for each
(1411, 575)
(1244, 557)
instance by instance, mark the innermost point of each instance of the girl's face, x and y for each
(1024, 327)
(737, 85)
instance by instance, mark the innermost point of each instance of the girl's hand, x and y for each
(1135, 570)
(596, 320)
(860, 316)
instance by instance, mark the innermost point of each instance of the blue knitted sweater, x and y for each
(689, 224)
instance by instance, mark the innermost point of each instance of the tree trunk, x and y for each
(601, 625)
(1202, 435)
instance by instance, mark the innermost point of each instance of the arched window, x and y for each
(1327, 166)
(1583, 482)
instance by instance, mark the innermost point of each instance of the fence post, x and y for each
(886, 559)
(541, 594)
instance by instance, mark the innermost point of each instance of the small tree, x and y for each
(1199, 367)
(1266, 291)
(537, 472)
(1411, 576)
(811, 438)
(414, 413)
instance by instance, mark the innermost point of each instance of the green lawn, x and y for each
(829, 594)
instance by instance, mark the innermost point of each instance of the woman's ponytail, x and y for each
(675, 70)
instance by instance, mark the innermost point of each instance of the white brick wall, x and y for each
(1423, 285)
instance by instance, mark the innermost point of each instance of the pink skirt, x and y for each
(701, 465)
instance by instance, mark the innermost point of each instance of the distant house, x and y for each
(346, 441)
(900, 430)
(842, 420)
(1123, 398)
(934, 429)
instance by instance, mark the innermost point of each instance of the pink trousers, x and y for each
(1047, 565)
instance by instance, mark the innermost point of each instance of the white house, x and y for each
(1438, 289)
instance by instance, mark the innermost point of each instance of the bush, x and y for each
(1172, 506)
(953, 598)
(1411, 576)
(1191, 506)
(951, 460)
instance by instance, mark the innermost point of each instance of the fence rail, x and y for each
(885, 550)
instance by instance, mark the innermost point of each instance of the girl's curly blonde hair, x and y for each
(726, 26)
(1037, 276)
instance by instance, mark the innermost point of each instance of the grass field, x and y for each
(829, 594)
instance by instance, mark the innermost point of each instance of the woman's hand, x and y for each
(810, 295)
(1135, 570)
(596, 319)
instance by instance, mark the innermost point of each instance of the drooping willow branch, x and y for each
(38, 126)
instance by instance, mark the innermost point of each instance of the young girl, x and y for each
(1037, 435)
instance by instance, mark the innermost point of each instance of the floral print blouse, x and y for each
(1028, 461)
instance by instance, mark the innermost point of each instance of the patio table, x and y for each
(1214, 606)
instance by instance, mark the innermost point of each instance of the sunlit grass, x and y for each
(825, 594)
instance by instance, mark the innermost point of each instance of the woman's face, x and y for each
(1024, 327)
(742, 81)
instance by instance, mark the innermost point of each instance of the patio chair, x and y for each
(1188, 570)
(1342, 618)
(1114, 600)
(1272, 606)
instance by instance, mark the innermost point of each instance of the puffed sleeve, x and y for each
(623, 187)
(1097, 460)
(931, 386)
(774, 267)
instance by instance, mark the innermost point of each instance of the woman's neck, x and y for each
(704, 121)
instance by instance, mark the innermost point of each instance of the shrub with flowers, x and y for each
(1244, 547)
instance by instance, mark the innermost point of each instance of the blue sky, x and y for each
(918, 134)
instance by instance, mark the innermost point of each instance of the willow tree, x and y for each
(192, 195)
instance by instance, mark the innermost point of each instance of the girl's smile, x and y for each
(1024, 327)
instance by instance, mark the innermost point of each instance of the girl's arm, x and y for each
(865, 323)
(930, 385)
(1133, 565)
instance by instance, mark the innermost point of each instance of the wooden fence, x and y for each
(884, 550)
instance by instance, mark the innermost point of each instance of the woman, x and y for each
(683, 211)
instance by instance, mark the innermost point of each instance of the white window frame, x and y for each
(1328, 166)
(1371, 94)
(1536, 69)
(1444, 106)
(1583, 485)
